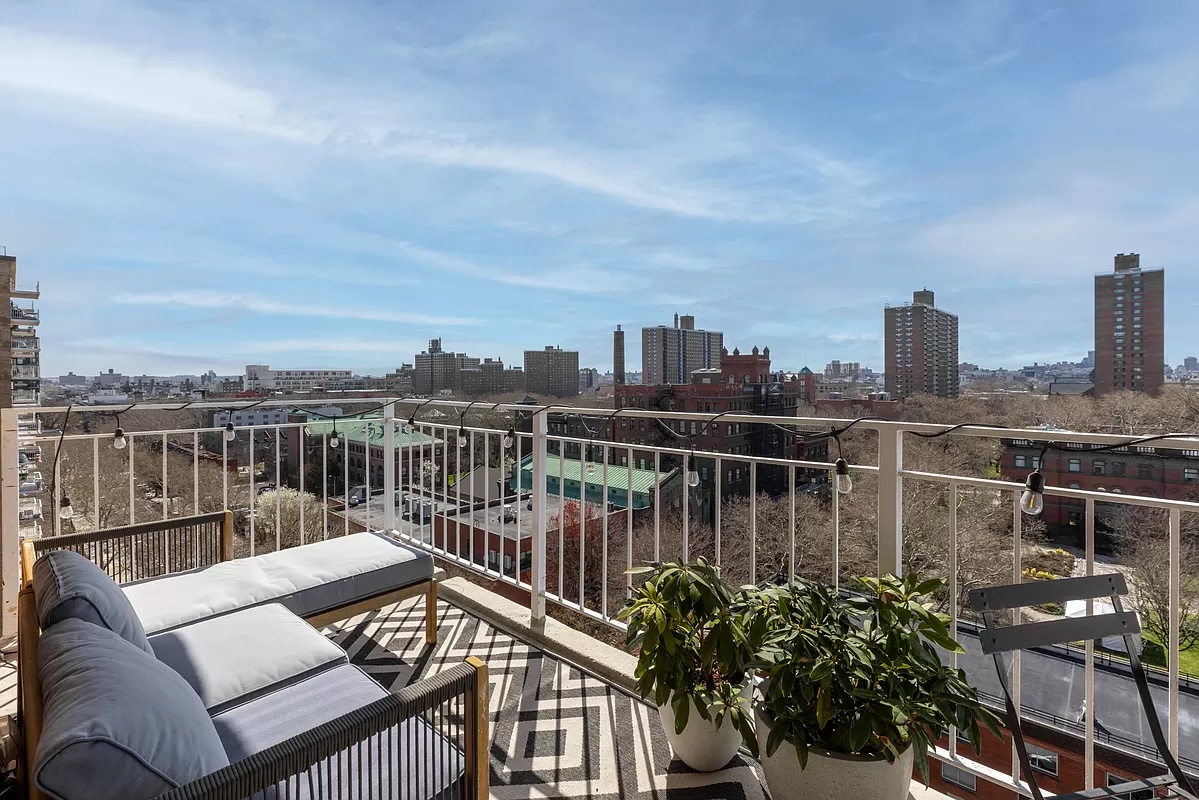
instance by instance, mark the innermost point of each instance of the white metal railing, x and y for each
(408, 471)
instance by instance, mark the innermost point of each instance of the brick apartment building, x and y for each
(436, 370)
(743, 383)
(670, 355)
(552, 371)
(920, 348)
(1130, 328)
(491, 377)
(1146, 471)
(359, 454)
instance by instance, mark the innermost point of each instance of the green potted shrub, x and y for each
(855, 691)
(695, 644)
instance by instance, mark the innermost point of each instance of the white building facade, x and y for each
(261, 378)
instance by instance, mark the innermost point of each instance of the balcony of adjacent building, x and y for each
(25, 398)
(29, 453)
(31, 483)
(30, 510)
(535, 592)
(26, 291)
(25, 316)
(25, 343)
(26, 371)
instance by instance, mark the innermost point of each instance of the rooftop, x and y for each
(572, 471)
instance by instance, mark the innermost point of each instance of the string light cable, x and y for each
(65, 509)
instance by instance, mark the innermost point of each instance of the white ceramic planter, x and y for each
(702, 746)
(832, 776)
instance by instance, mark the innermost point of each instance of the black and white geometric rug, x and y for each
(556, 731)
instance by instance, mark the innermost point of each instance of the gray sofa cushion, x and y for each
(117, 723)
(424, 762)
(307, 580)
(236, 657)
(69, 586)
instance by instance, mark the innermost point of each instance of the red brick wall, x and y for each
(458, 535)
(1071, 777)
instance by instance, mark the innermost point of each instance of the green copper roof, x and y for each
(371, 430)
(618, 477)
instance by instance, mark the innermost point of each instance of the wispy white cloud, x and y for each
(334, 308)
(166, 87)
(669, 178)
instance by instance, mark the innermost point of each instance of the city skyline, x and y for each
(210, 186)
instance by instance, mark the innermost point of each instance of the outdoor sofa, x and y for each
(153, 665)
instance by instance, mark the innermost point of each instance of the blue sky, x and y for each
(331, 184)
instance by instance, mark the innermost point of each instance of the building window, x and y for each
(1118, 469)
(1098, 467)
(1074, 485)
(1145, 471)
(1116, 780)
(1021, 461)
(1043, 760)
(958, 777)
(1075, 465)
(1190, 474)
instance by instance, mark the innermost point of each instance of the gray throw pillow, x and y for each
(117, 722)
(69, 586)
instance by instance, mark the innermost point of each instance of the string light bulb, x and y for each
(65, 509)
(1032, 499)
(509, 438)
(334, 442)
(590, 467)
(118, 439)
(844, 482)
(230, 432)
(463, 438)
(692, 473)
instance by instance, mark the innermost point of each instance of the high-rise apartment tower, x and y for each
(1130, 336)
(921, 348)
(670, 355)
(552, 371)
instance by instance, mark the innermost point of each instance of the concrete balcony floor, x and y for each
(558, 730)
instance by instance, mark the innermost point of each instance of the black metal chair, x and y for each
(996, 641)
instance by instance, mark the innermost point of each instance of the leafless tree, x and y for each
(277, 526)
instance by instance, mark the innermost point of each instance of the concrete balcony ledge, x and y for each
(608, 663)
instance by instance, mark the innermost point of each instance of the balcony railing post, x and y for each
(10, 522)
(890, 501)
(389, 467)
(537, 492)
